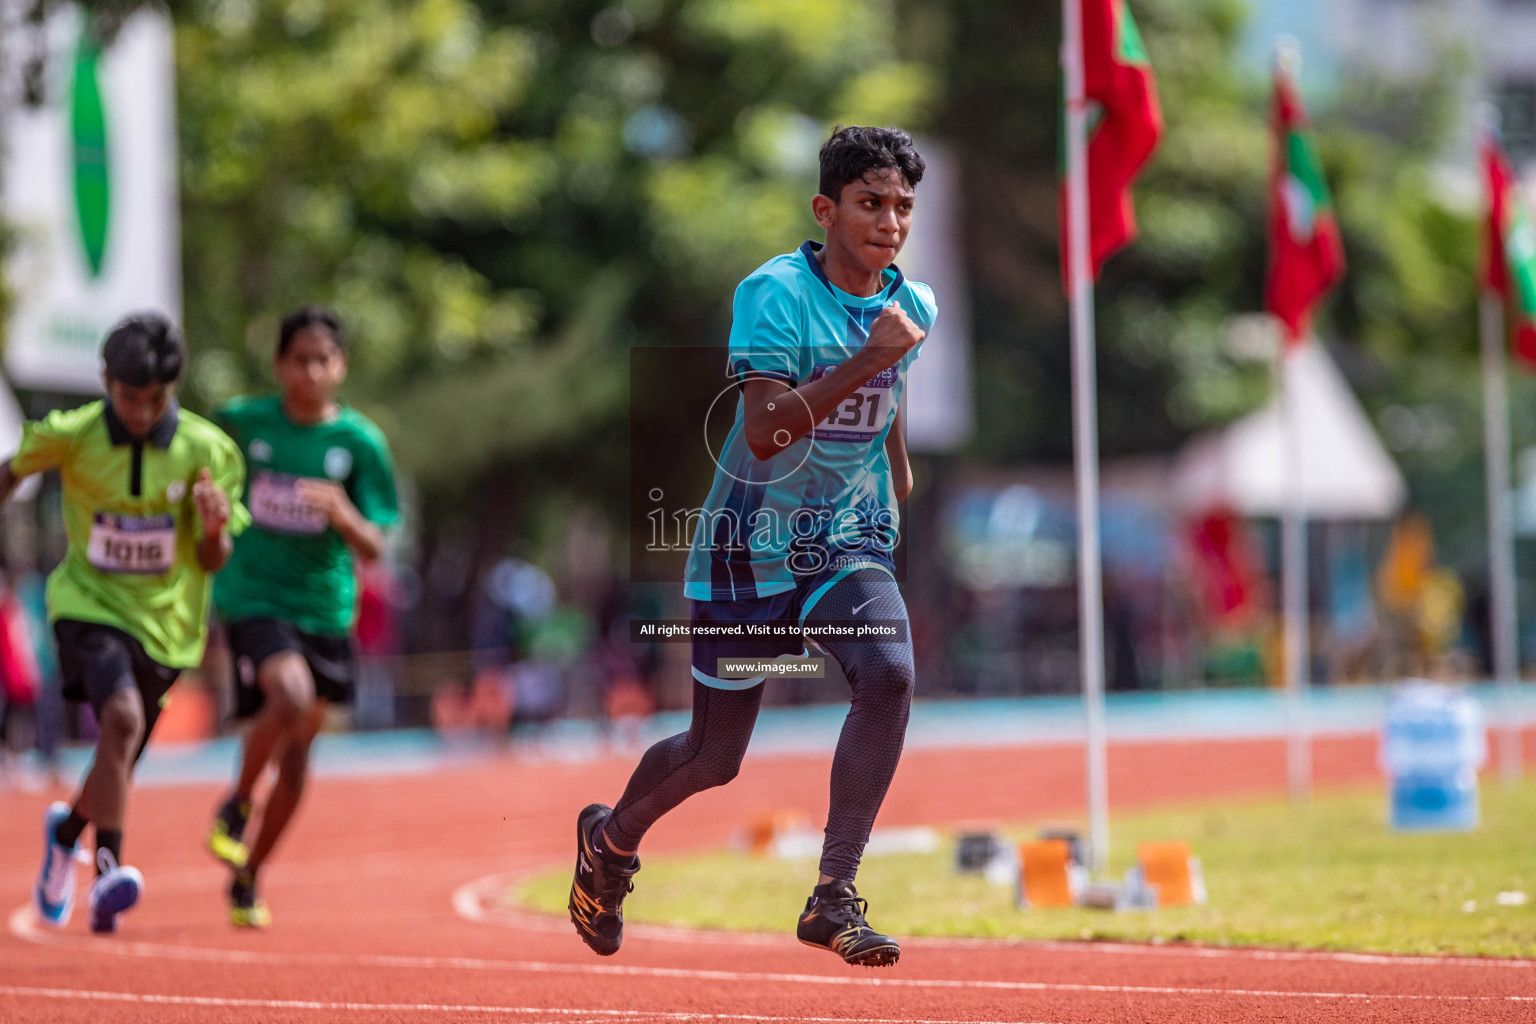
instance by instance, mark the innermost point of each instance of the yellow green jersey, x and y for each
(132, 524)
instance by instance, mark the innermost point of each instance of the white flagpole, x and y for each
(1293, 542)
(1293, 548)
(1085, 438)
(1501, 547)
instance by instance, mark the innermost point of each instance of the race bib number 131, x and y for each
(862, 415)
(144, 545)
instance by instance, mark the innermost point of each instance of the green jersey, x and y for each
(131, 522)
(291, 565)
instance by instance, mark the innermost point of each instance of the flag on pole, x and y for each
(1124, 125)
(1509, 248)
(1306, 254)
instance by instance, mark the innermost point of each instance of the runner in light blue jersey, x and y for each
(798, 530)
(826, 501)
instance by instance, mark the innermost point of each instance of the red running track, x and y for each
(386, 908)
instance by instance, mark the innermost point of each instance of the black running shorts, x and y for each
(253, 641)
(97, 660)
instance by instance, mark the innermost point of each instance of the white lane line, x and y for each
(24, 926)
(23, 991)
(483, 901)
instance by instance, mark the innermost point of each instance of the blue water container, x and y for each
(1432, 745)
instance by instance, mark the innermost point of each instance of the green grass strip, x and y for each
(1329, 875)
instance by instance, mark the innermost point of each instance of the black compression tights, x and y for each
(709, 753)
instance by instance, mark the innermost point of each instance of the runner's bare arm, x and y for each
(363, 537)
(896, 452)
(215, 545)
(775, 419)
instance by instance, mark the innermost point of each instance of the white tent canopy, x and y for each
(1345, 471)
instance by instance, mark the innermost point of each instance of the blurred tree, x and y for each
(469, 182)
(502, 199)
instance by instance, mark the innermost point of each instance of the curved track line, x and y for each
(482, 901)
(22, 991)
(24, 926)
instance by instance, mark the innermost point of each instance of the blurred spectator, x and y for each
(20, 683)
(1423, 604)
(29, 588)
(380, 597)
(1120, 636)
(483, 709)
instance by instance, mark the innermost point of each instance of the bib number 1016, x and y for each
(132, 544)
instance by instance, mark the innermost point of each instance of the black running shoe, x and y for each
(834, 919)
(246, 909)
(598, 888)
(224, 838)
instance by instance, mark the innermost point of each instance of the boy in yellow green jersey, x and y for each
(148, 517)
(321, 492)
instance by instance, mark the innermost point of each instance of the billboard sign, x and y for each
(88, 191)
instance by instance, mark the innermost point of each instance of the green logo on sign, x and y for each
(88, 130)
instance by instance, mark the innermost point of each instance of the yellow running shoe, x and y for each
(246, 909)
(224, 834)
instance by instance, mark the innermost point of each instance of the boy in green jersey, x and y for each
(321, 490)
(148, 518)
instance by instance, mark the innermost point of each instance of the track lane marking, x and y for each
(229, 1002)
(24, 926)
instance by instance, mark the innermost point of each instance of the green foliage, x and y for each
(324, 146)
(1328, 874)
(468, 182)
(502, 198)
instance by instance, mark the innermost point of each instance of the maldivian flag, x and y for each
(1509, 248)
(1306, 255)
(1124, 125)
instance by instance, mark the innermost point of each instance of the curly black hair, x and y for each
(853, 152)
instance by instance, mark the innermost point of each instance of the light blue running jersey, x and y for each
(827, 501)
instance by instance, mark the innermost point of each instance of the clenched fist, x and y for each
(211, 502)
(893, 335)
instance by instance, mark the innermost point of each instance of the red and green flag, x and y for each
(1509, 249)
(1306, 254)
(1124, 125)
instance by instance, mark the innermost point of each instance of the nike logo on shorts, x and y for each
(859, 607)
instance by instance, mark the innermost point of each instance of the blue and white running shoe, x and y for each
(115, 890)
(54, 893)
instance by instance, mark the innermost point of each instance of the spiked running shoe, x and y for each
(54, 893)
(225, 835)
(834, 919)
(598, 888)
(116, 890)
(246, 909)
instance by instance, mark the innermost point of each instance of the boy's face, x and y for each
(140, 408)
(312, 367)
(871, 219)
